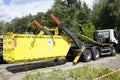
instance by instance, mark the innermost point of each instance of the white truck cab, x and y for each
(106, 36)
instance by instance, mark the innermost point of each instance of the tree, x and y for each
(88, 29)
(72, 13)
(106, 14)
(5, 27)
(1, 26)
(23, 22)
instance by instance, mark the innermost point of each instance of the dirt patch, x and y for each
(113, 63)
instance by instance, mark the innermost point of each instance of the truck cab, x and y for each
(106, 36)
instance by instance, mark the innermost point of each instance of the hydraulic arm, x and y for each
(69, 33)
(41, 27)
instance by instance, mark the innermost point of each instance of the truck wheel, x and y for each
(96, 54)
(113, 51)
(87, 55)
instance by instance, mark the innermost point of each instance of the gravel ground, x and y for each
(18, 71)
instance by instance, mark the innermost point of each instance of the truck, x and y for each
(104, 42)
(45, 45)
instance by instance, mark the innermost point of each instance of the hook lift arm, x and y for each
(41, 27)
(71, 34)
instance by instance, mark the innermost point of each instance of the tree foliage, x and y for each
(88, 29)
(72, 13)
(75, 15)
(106, 14)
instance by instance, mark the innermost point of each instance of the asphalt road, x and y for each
(17, 71)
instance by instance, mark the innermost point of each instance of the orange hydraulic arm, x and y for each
(69, 33)
(41, 27)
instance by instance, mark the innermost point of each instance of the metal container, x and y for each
(27, 47)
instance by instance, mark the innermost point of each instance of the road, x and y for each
(17, 71)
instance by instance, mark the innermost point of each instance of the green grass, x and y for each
(37, 76)
(89, 73)
(84, 73)
(57, 75)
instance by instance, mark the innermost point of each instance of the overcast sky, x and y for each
(10, 9)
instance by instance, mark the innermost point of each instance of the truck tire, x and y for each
(113, 51)
(87, 55)
(96, 54)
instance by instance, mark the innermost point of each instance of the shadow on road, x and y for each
(35, 65)
(39, 65)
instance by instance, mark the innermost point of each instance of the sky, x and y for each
(9, 9)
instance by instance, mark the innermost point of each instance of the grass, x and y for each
(84, 73)
(37, 76)
(88, 73)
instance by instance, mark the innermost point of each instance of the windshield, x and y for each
(104, 34)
